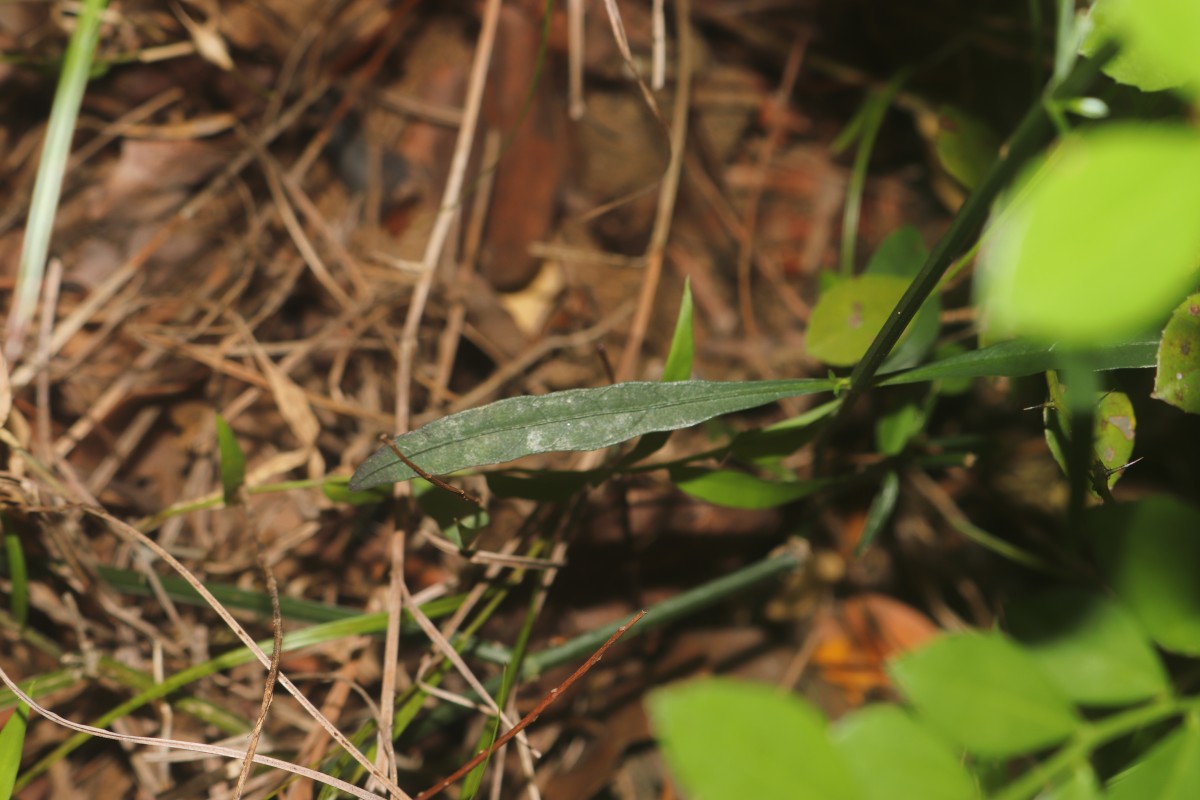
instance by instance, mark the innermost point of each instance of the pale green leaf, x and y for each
(1177, 380)
(1170, 771)
(1158, 40)
(12, 741)
(965, 146)
(892, 756)
(725, 740)
(985, 693)
(733, 489)
(849, 314)
(1148, 551)
(1090, 646)
(1099, 241)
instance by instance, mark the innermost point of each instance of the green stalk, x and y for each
(1031, 133)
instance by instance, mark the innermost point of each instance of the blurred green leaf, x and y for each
(986, 694)
(725, 740)
(233, 462)
(893, 756)
(1099, 241)
(733, 489)
(849, 314)
(1081, 784)
(12, 742)
(1170, 771)
(14, 565)
(782, 438)
(1158, 41)
(1177, 380)
(895, 429)
(1148, 551)
(880, 511)
(336, 488)
(965, 146)
(1091, 647)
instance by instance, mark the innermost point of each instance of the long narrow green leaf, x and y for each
(590, 419)
(577, 419)
(47, 187)
(1020, 357)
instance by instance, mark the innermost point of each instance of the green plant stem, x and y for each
(1024, 143)
(1092, 737)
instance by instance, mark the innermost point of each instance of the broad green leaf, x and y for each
(12, 741)
(724, 487)
(902, 254)
(849, 314)
(1090, 646)
(1149, 550)
(895, 429)
(233, 462)
(1178, 378)
(1098, 242)
(1170, 771)
(880, 511)
(577, 419)
(1159, 41)
(589, 419)
(892, 755)
(965, 146)
(985, 693)
(1170, 28)
(725, 740)
(1140, 63)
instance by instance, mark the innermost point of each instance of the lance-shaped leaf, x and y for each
(591, 419)
(577, 419)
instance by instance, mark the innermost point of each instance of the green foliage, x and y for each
(1097, 242)
(1149, 551)
(1170, 771)
(1088, 250)
(729, 741)
(849, 315)
(233, 462)
(986, 694)
(1089, 646)
(12, 740)
(1159, 41)
(1177, 380)
(965, 146)
(733, 489)
(892, 755)
(1114, 428)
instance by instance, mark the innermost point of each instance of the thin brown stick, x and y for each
(668, 192)
(532, 716)
(435, 480)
